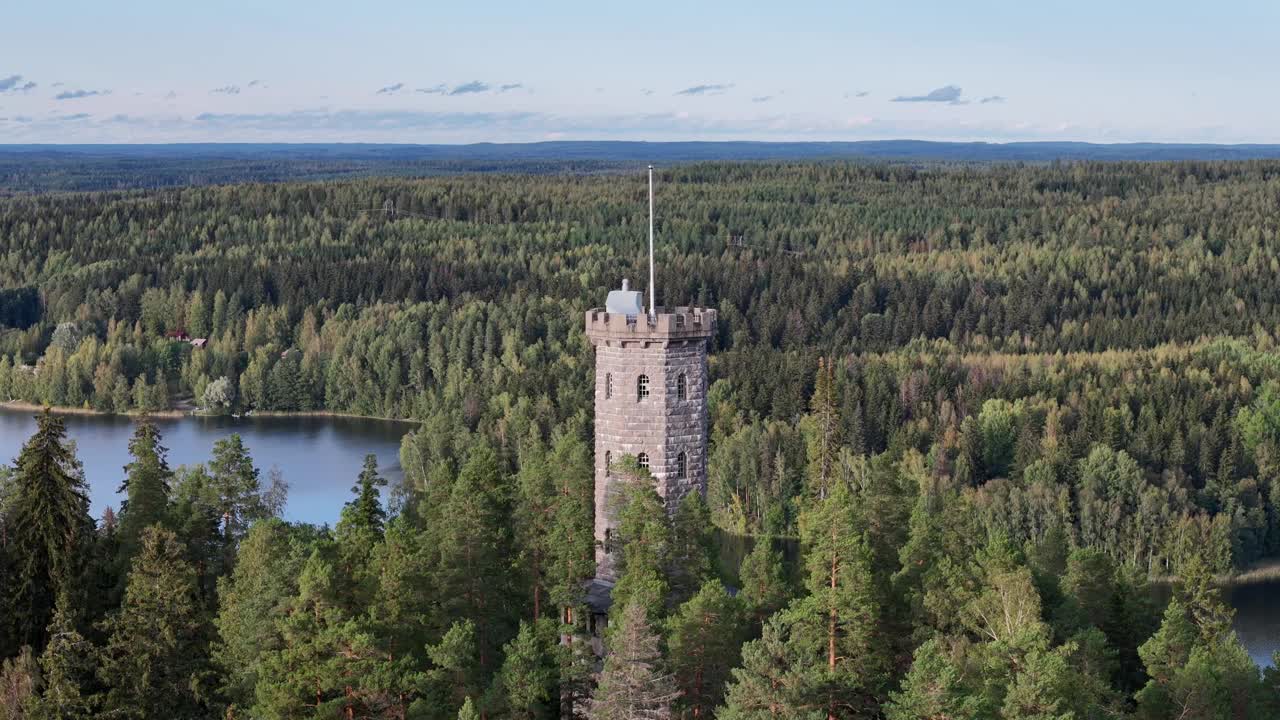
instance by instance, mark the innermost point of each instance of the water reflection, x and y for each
(319, 457)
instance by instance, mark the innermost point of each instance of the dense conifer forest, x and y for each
(964, 419)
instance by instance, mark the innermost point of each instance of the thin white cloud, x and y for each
(14, 84)
(78, 94)
(475, 86)
(711, 89)
(949, 94)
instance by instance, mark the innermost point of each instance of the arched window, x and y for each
(682, 465)
(682, 387)
(643, 459)
(608, 386)
(608, 463)
(642, 387)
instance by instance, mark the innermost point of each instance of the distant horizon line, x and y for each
(882, 141)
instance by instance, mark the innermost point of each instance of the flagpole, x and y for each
(653, 289)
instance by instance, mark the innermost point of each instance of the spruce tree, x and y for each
(233, 480)
(634, 684)
(571, 539)
(534, 515)
(468, 711)
(154, 661)
(644, 536)
(693, 556)
(359, 532)
(67, 666)
(48, 531)
(146, 489)
(366, 508)
(765, 589)
(524, 687)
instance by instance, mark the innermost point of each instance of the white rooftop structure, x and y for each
(625, 301)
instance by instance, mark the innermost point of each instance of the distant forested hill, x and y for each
(35, 168)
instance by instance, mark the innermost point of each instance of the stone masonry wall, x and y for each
(660, 425)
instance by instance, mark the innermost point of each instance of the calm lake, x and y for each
(319, 457)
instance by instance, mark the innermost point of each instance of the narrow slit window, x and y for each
(608, 463)
(608, 386)
(608, 541)
(643, 459)
(642, 387)
(682, 387)
(682, 466)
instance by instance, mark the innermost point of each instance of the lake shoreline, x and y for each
(24, 406)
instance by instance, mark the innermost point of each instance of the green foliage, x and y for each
(765, 587)
(146, 489)
(47, 531)
(67, 669)
(643, 540)
(692, 555)
(524, 687)
(253, 601)
(155, 658)
(704, 641)
(1023, 407)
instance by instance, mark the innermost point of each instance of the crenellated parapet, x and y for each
(678, 323)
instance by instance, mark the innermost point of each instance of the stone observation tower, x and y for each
(650, 401)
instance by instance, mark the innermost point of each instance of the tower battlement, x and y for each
(679, 323)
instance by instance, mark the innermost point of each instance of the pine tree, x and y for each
(1196, 676)
(634, 684)
(823, 430)
(146, 489)
(252, 601)
(154, 661)
(943, 683)
(704, 641)
(48, 529)
(837, 625)
(474, 538)
(327, 662)
(769, 685)
(455, 676)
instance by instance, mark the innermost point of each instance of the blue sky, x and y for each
(1122, 70)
